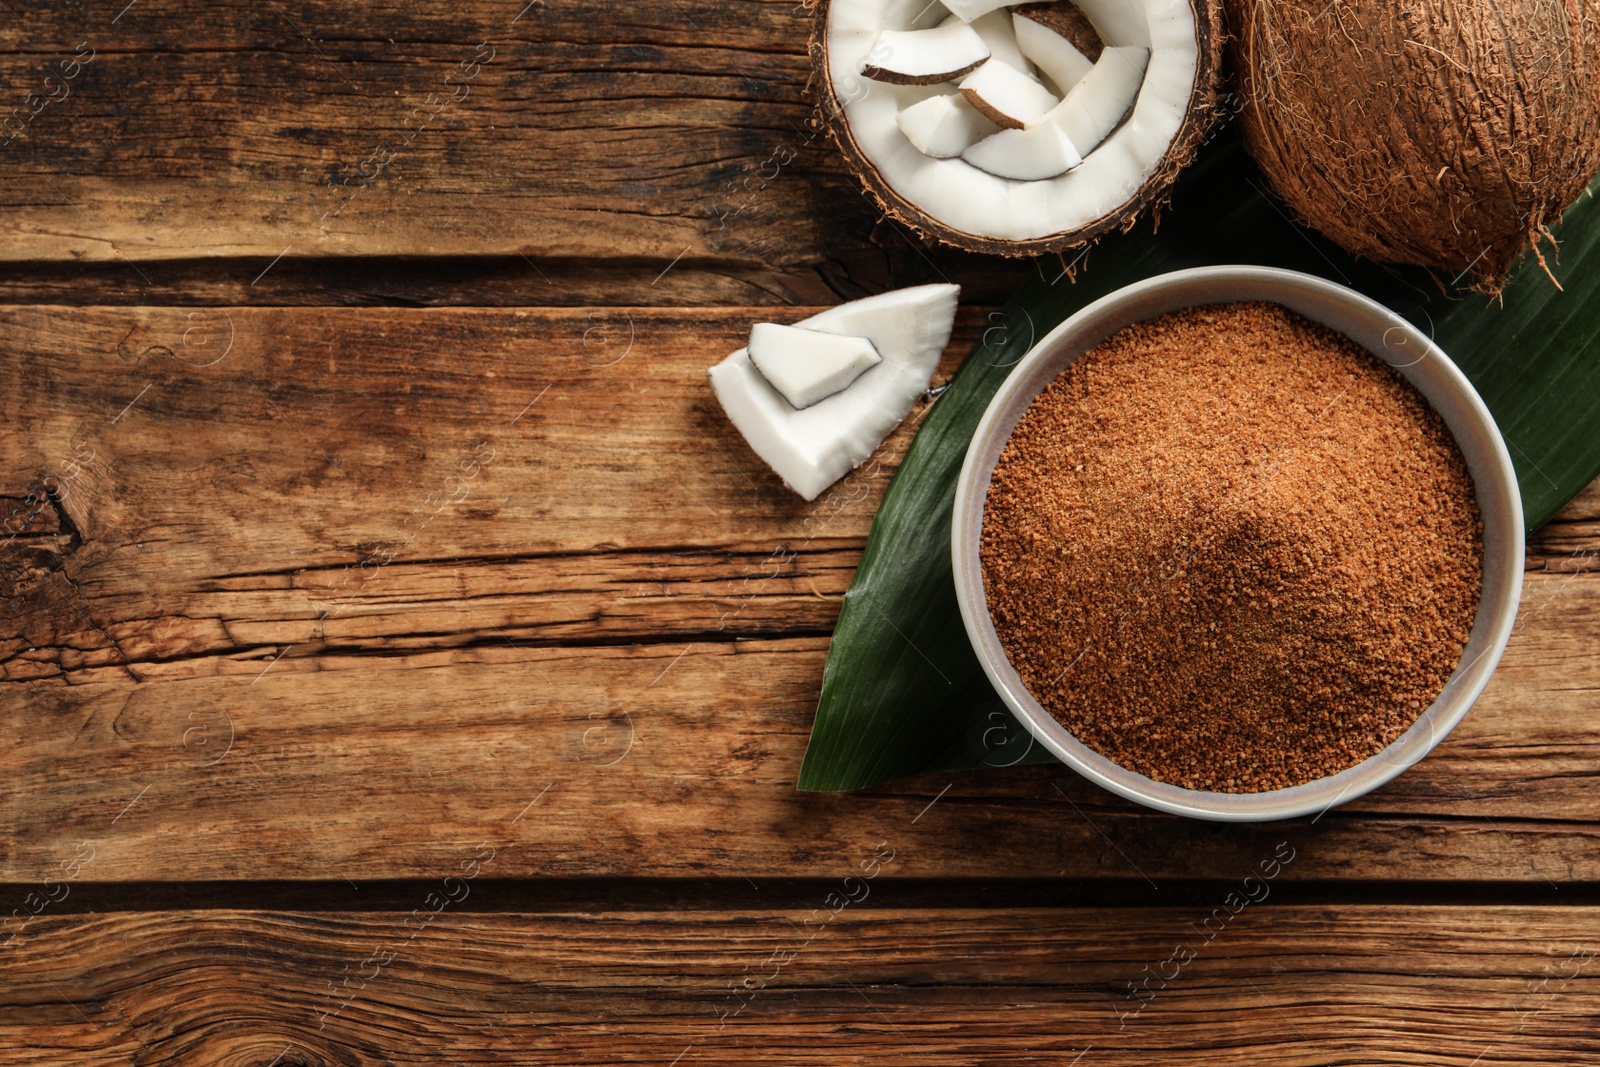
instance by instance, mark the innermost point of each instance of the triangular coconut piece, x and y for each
(1007, 96)
(806, 365)
(813, 448)
(944, 126)
(925, 57)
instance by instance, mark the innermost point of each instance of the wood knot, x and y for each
(36, 537)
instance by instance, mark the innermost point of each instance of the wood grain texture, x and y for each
(437, 617)
(258, 544)
(489, 281)
(222, 481)
(560, 138)
(1442, 987)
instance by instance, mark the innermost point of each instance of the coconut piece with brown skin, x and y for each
(925, 57)
(1448, 134)
(1057, 141)
(959, 203)
(1006, 96)
(1059, 62)
(1068, 20)
(972, 10)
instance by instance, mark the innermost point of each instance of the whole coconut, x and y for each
(1446, 133)
(1138, 163)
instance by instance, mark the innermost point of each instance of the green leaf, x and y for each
(903, 691)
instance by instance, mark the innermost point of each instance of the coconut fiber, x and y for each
(1447, 133)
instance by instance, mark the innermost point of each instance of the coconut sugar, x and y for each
(1231, 550)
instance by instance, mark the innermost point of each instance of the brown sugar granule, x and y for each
(1230, 549)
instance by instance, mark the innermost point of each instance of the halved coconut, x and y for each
(961, 204)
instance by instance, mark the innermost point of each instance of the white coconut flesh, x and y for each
(925, 57)
(807, 365)
(999, 36)
(1098, 102)
(944, 126)
(971, 10)
(1051, 54)
(1006, 95)
(1033, 154)
(965, 196)
(1122, 23)
(1057, 142)
(810, 449)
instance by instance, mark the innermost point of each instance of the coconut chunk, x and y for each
(972, 10)
(1060, 140)
(1032, 154)
(807, 366)
(944, 126)
(1118, 22)
(1007, 96)
(925, 57)
(1057, 58)
(998, 34)
(1067, 20)
(813, 448)
(1097, 103)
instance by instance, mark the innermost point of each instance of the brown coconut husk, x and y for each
(1444, 133)
(1204, 111)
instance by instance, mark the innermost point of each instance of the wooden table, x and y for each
(395, 669)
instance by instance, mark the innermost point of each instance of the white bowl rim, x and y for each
(1494, 484)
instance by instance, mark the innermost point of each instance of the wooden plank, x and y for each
(219, 482)
(866, 984)
(240, 480)
(314, 426)
(575, 131)
(505, 281)
(240, 543)
(1569, 542)
(630, 135)
(662, 760)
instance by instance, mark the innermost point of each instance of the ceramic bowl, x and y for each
(1391, 339)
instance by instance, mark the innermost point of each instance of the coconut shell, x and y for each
(1445, 133)
(1204, 111)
